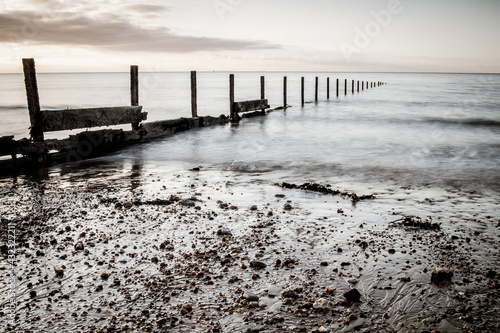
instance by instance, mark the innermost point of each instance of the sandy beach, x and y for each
(202, 252)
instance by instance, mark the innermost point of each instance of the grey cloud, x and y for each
(119, 34)
(146, 9)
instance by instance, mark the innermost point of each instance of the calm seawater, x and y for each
(419, 129)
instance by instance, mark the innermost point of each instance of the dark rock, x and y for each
(187, 203)
(491, 274)
(79, 246)
(185, 309)
(352, 295)
(257, 264)
(289, 294)
(440, 276)
(287, 207)
(59, 271)
(363, 245)
(224, 231)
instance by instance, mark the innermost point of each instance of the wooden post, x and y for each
(337, 87)
(284, 91)
(366, 85)
(345, 87)
(327, 88)
(302, 91)
(263, 90)
(33, 99)
(134, 85)
(232, 116)
(262, 87)
(362, 85)
(358, 85)
(134, 90)
(194, 102)
(353, 86)
(316, 87)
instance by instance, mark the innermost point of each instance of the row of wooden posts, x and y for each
(263, 102)
(57, 120)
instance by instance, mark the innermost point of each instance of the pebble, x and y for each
(187, 203)
(491, 274)
(79, 246)
(287, 206)
(251, 297)
(185, 309)
(59, 271)
(224, 231)
(253, 207)
(257, 264)
(440, 276)
(289, 294)
(352, 281)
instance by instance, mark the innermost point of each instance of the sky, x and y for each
(251, 35)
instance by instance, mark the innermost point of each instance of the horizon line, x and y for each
(263, 71)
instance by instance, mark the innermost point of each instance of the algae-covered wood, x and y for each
(60, 120)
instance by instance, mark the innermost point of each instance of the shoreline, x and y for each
(199, 251)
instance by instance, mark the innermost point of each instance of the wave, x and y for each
(13, 107)
(472, 122)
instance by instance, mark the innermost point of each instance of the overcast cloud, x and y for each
(120, 29)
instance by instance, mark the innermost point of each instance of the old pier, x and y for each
(38, 152)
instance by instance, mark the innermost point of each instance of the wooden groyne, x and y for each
(38, 152)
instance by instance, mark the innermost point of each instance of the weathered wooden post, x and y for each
(33, 99)
(134, 90)
(352, 86)
(345, 87)
(358, 85)
(233, 116)
(194, 93)
(327, 88)
(134, 85)
(263, 90)
(316, 88)
(262, 87)
(284, 91)
(362, 85)
(337, 87)
(366, 85)
(302, 91)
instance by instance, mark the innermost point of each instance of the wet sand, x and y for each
(198, 251)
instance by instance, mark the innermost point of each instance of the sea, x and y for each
(425, 145)
(417, 129)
